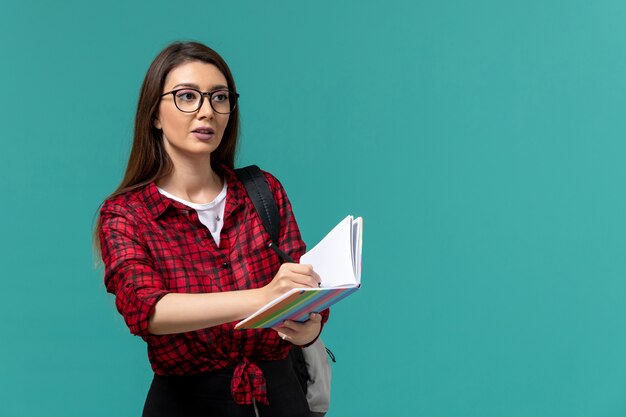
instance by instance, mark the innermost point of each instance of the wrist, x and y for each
(259, 297)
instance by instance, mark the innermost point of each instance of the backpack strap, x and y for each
(262, 198)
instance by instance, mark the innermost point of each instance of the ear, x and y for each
(156, 123)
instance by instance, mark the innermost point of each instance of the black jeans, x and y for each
(208, 394)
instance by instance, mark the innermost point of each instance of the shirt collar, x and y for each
(157, 203)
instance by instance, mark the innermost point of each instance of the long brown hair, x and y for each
(148, 160)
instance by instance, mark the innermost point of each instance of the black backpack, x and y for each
(259, 192)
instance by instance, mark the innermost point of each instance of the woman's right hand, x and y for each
(289, 276)
(180, 312)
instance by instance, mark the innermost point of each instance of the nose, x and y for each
(205, 110)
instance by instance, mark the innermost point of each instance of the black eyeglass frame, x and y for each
(208, 94)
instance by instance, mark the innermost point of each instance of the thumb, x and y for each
(315, 317)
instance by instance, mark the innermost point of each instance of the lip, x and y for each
(203, 133)
(207, 130)
(203, 136)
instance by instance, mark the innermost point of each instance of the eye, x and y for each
(220, 96)
(187, 95)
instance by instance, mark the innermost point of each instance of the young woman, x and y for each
(186, 255)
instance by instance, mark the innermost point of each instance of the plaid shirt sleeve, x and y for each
(129, 273)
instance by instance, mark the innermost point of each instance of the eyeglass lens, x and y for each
(222, 101)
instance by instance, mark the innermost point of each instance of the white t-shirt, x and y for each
(210, 214)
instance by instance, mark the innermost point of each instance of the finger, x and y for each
(315, 317)
(302, 274)
(295, 326)
(317, 279)
(287, 334)
(310, 272)
(303, 280)
(292, 328)
(304, 269)
(289, 325)
(284, 330)
(287, 283)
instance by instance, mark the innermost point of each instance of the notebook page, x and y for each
(357, 245)
(332, 256)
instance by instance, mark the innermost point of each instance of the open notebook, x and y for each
(337, 260)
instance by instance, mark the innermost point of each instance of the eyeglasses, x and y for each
(189, 100)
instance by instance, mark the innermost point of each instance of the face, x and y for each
(197, 134)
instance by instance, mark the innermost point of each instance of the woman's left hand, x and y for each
(301, 333)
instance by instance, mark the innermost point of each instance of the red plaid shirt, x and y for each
(152, 246)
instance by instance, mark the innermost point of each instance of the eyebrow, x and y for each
(197, 87)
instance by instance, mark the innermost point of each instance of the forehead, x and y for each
(204, 75)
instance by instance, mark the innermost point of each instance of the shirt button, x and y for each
(226, 265)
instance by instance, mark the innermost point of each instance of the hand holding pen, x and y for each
(290, 275)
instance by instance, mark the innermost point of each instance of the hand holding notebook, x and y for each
(337, 260)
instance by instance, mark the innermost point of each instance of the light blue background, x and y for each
(483, 142)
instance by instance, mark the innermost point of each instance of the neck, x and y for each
(192, 180)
